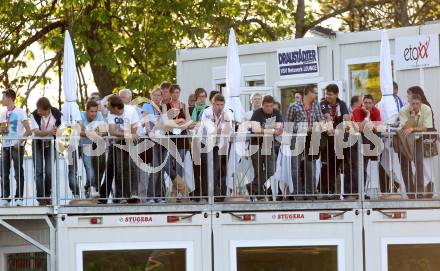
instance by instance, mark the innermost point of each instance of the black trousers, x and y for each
(152, 156)
(126, 174)
(106, 187)
(220, 163)
(264, 168)
(351, 184)
(201, 176)
(15, 154)
(44, 156)
(331, 167)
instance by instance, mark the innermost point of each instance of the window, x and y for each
(135, 260)
(246, 93)
(255, 83)
(34, 261)
(254, 74)
(310, 258)
(288, 96)
(220, 87)
(364, 78)
(413, 257)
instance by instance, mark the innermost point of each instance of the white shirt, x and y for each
(15, 119)
(248, 115)
(47, 123)
(124, 122)
(140, 130)
(211, 122)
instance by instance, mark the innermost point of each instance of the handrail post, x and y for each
(210, 167)
(360, 169)
(54, 174)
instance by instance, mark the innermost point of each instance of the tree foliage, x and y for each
(132, 43)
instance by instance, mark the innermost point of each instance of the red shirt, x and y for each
(359, 115)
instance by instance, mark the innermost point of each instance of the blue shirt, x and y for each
(90, 125)
(400, 103)
(85, 121)
(153, 113)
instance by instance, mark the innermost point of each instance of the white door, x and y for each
(288, 241)
(400, 240)
(174, 242)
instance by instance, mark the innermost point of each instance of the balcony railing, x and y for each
(241, 168)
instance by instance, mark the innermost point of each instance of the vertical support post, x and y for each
(210, 177)
(360, 169)
(54, 174)
(52, 259)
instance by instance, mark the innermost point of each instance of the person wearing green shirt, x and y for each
(416, 117)
(418, 113)
(200, 171)
(200, 105)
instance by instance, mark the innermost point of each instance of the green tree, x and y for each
(362, 15)
(132, 43)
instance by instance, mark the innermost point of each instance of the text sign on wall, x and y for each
(298, 61)
(135, 219)
(417, 52)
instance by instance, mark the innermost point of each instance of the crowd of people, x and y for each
(162, 131)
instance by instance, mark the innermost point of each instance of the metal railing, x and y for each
(226, 168)
(409, 166)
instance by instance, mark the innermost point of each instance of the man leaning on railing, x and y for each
(123, 123)
(217, 121)
(44, 123)
(335, 112)
(92, 126)
(367, 116)
(305, 115)
(265, 121)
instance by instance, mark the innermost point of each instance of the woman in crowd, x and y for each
(200, 105)
(212, 95)
(151, 113)
(200, 169)
(417, 117)
(176, 121)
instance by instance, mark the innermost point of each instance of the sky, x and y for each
(49, 90)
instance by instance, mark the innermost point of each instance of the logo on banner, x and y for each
(417, 52)
(298, 61)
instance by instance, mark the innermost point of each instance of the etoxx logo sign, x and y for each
(417, 52)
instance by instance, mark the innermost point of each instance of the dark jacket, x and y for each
(55, 113)
(343, 110)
